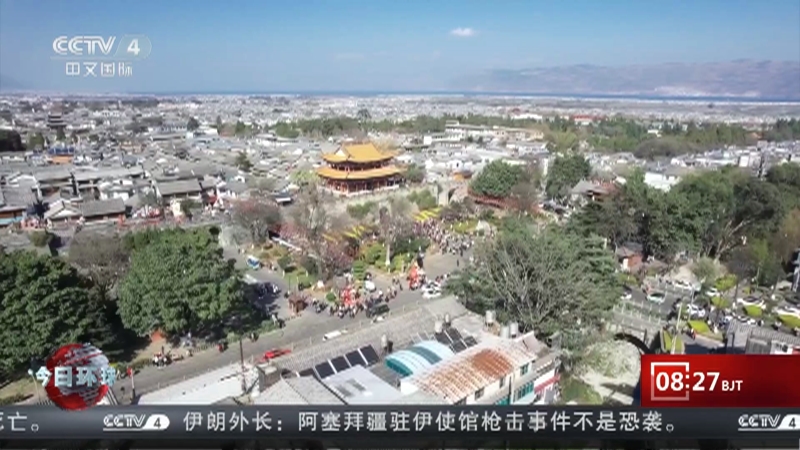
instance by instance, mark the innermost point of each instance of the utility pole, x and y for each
(678, 324)
(241, 362)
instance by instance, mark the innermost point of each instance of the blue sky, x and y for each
(271, 45)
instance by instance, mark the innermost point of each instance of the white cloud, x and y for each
(462, 32)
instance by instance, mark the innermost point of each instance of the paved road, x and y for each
(302, 331)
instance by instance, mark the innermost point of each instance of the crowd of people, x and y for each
(443, 235)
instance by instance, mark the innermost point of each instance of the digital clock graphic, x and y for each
(669, 381)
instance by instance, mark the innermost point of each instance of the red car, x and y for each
(275, 353)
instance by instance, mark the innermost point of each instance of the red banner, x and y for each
(757, 381)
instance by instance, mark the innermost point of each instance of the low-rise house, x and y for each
(16, 203)
(87, 182)
(103, 210)
(168, 191)
(53, 181)
(586, 191)
(629, 256)
(62, 211)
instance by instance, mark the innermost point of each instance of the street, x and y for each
(306, 329)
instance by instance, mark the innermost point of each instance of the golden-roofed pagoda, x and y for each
(359, 168)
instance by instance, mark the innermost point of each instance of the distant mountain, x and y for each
(777, 80)
(9, 84)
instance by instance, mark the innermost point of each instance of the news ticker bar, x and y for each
(714, 381)
(423, 422)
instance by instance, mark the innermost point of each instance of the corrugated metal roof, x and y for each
(473, 369)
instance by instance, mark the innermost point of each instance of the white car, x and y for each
(626, 296)
(431, 293)
(334, 335)
(683, 285)
(788, 311)
(713, 292)
(750, 301)
(657, 297)
(696, 311)
(369, 286)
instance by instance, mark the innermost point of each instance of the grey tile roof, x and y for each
(52, 175)
(742, 332)
(17, 196)
(103, 207)
(179, 187)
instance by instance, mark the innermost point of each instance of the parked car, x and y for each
(657, 297)
(378, 311)
(334, 334)
(275, 353)
(431, 293)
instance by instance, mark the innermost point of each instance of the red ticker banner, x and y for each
(721, 381)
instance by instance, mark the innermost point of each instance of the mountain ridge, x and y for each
(739, 78)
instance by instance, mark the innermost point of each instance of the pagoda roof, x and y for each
(358, 153)
(327, 172)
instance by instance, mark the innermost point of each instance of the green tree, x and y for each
(192, 124)
(565, 172)
(786, 177)
(218, 124)
(724, 207)
(60, 135)
(497, 179)
(240, 129)
(554, 281)
(36, 141)
(243, 162)
(179, 282)
(414, 173)
(45, 304)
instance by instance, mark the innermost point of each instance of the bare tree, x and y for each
(262, 187)
(525, 196)
(312, 220)
(103, 257)
(395, 218)
(258, 217)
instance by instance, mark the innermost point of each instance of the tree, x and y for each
(218, 124)
(11, 141)
(103, 257)
(36, 141)
(60, 135)
(258, 216)
(786, 239)
(565, 172)
(705, 269)
(395, 218)
(414, 173)
(549, 282)
(261, 187)
(45, 304)
(243, 162)
(192, 124)
(724, 207)
(497, 179)
(178, 282)
(312, 219)
(240, 128)
(363, 116)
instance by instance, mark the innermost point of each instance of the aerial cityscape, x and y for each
(509, 235)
